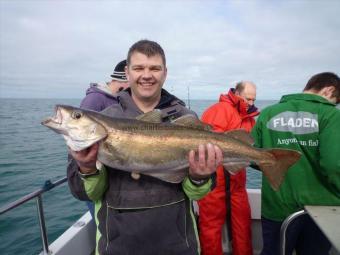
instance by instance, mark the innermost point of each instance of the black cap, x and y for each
(119, 72)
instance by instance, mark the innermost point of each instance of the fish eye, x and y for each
(76, 115)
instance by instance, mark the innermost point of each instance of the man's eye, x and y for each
(156, 68)
(76, 115)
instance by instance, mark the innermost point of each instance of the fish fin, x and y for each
(190, 120)
(154, 116)
(234, 168)
(169, 176)
(241, 135)
(275, 173)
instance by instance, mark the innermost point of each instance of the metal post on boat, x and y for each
(284, 228)
(42, 225)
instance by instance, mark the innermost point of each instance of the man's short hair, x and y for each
(148, 48)
(322, 80)
(241, 85)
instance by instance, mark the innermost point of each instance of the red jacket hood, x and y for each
(239, 103)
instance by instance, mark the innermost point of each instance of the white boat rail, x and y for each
(284, 228)
(326, 218)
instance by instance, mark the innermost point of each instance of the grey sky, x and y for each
(54, 49)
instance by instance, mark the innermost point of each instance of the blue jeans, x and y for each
(302, 235)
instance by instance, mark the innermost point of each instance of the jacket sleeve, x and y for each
(90, 188)
(329, 139)
(194, 192)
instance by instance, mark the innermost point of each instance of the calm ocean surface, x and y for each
(30, 154)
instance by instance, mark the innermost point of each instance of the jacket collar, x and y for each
(99, 88)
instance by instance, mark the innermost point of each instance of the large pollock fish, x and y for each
(147, 146)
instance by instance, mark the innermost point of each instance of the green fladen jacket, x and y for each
(310, 124)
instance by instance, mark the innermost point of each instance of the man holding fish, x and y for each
(140, 214)
(143, 160)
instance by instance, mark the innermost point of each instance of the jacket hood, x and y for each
(239, 103)
(99, 88)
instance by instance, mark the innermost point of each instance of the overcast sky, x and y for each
(54, 49)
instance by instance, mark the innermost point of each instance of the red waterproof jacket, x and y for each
(228, 114)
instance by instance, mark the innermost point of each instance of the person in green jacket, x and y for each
(308, 122)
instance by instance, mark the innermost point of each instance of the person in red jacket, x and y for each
(235, 110)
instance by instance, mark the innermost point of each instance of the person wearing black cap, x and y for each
(119, 80)
(98, 96)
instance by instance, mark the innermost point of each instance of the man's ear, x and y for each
(328, 91)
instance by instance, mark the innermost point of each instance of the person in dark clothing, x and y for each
(138, 214)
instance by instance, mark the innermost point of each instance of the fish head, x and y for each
(76, 125)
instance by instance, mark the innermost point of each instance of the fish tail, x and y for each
(276, 172)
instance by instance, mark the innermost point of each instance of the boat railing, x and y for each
(284, 227)
(48, 185)
(325, 218)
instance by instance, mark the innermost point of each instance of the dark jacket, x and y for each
(145, 216)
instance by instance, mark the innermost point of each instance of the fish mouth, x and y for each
(55, 121)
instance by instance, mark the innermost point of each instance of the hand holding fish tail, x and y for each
(205, 164)
(86, 159)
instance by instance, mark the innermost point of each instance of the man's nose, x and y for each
(147, 74)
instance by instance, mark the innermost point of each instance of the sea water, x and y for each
(30, 154)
